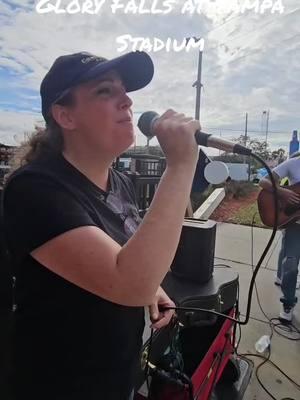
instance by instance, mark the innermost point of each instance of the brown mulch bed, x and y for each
(230, 206)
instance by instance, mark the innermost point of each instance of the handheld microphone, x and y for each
(147, 121)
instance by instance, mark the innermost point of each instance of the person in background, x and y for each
(85, 263)
(289, 256)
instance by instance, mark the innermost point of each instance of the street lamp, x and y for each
(198, 85)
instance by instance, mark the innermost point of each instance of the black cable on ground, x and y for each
(267, 360)
(258, 378)
(222, 266)
(286, 327)
(280, 325)
(273, 326)
(252, 266)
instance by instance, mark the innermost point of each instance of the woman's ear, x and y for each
(63, 116)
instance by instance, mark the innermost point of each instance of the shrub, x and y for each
(238, 189)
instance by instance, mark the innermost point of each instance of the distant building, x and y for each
(294, 143)
(238, 171)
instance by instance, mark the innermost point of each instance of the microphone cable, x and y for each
(256, 269)
(273, 325)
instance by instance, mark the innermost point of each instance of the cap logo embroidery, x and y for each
(86, 60)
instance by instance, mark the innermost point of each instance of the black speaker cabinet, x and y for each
(194, 258)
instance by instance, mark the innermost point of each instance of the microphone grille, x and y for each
(145, 122)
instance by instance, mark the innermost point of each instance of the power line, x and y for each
(225, 22)
(247, 33)
(254, 51)
(242, 130)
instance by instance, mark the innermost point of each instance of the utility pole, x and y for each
(246, 130)
(267, 126)
(245, 143)
(267, 114)
(198, 85)
(245, 134)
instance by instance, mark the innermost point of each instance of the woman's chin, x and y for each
(124, 145)
(130, 138)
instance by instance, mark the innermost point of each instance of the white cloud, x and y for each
(14, 125)
(250, 62)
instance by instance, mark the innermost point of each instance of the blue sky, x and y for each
(250, 63)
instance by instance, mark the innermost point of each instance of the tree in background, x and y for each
(152, 150)
(261, 148)
(279, 155)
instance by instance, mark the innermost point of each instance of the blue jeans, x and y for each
(288, 261)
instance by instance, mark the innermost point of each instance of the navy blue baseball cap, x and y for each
(135, 69)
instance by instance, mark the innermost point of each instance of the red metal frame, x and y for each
(212, 365)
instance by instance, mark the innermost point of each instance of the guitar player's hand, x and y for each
(289, 196)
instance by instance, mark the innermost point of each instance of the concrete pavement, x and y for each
(233, 247)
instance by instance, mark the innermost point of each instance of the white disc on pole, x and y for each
(216, 172)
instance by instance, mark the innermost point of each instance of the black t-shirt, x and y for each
(68, 342)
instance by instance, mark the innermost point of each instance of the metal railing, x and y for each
(145, 173)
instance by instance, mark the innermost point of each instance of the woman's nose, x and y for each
(126, 102)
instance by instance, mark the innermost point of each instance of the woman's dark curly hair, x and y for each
(44, 142)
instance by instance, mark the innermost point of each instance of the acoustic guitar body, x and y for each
(287, 213)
